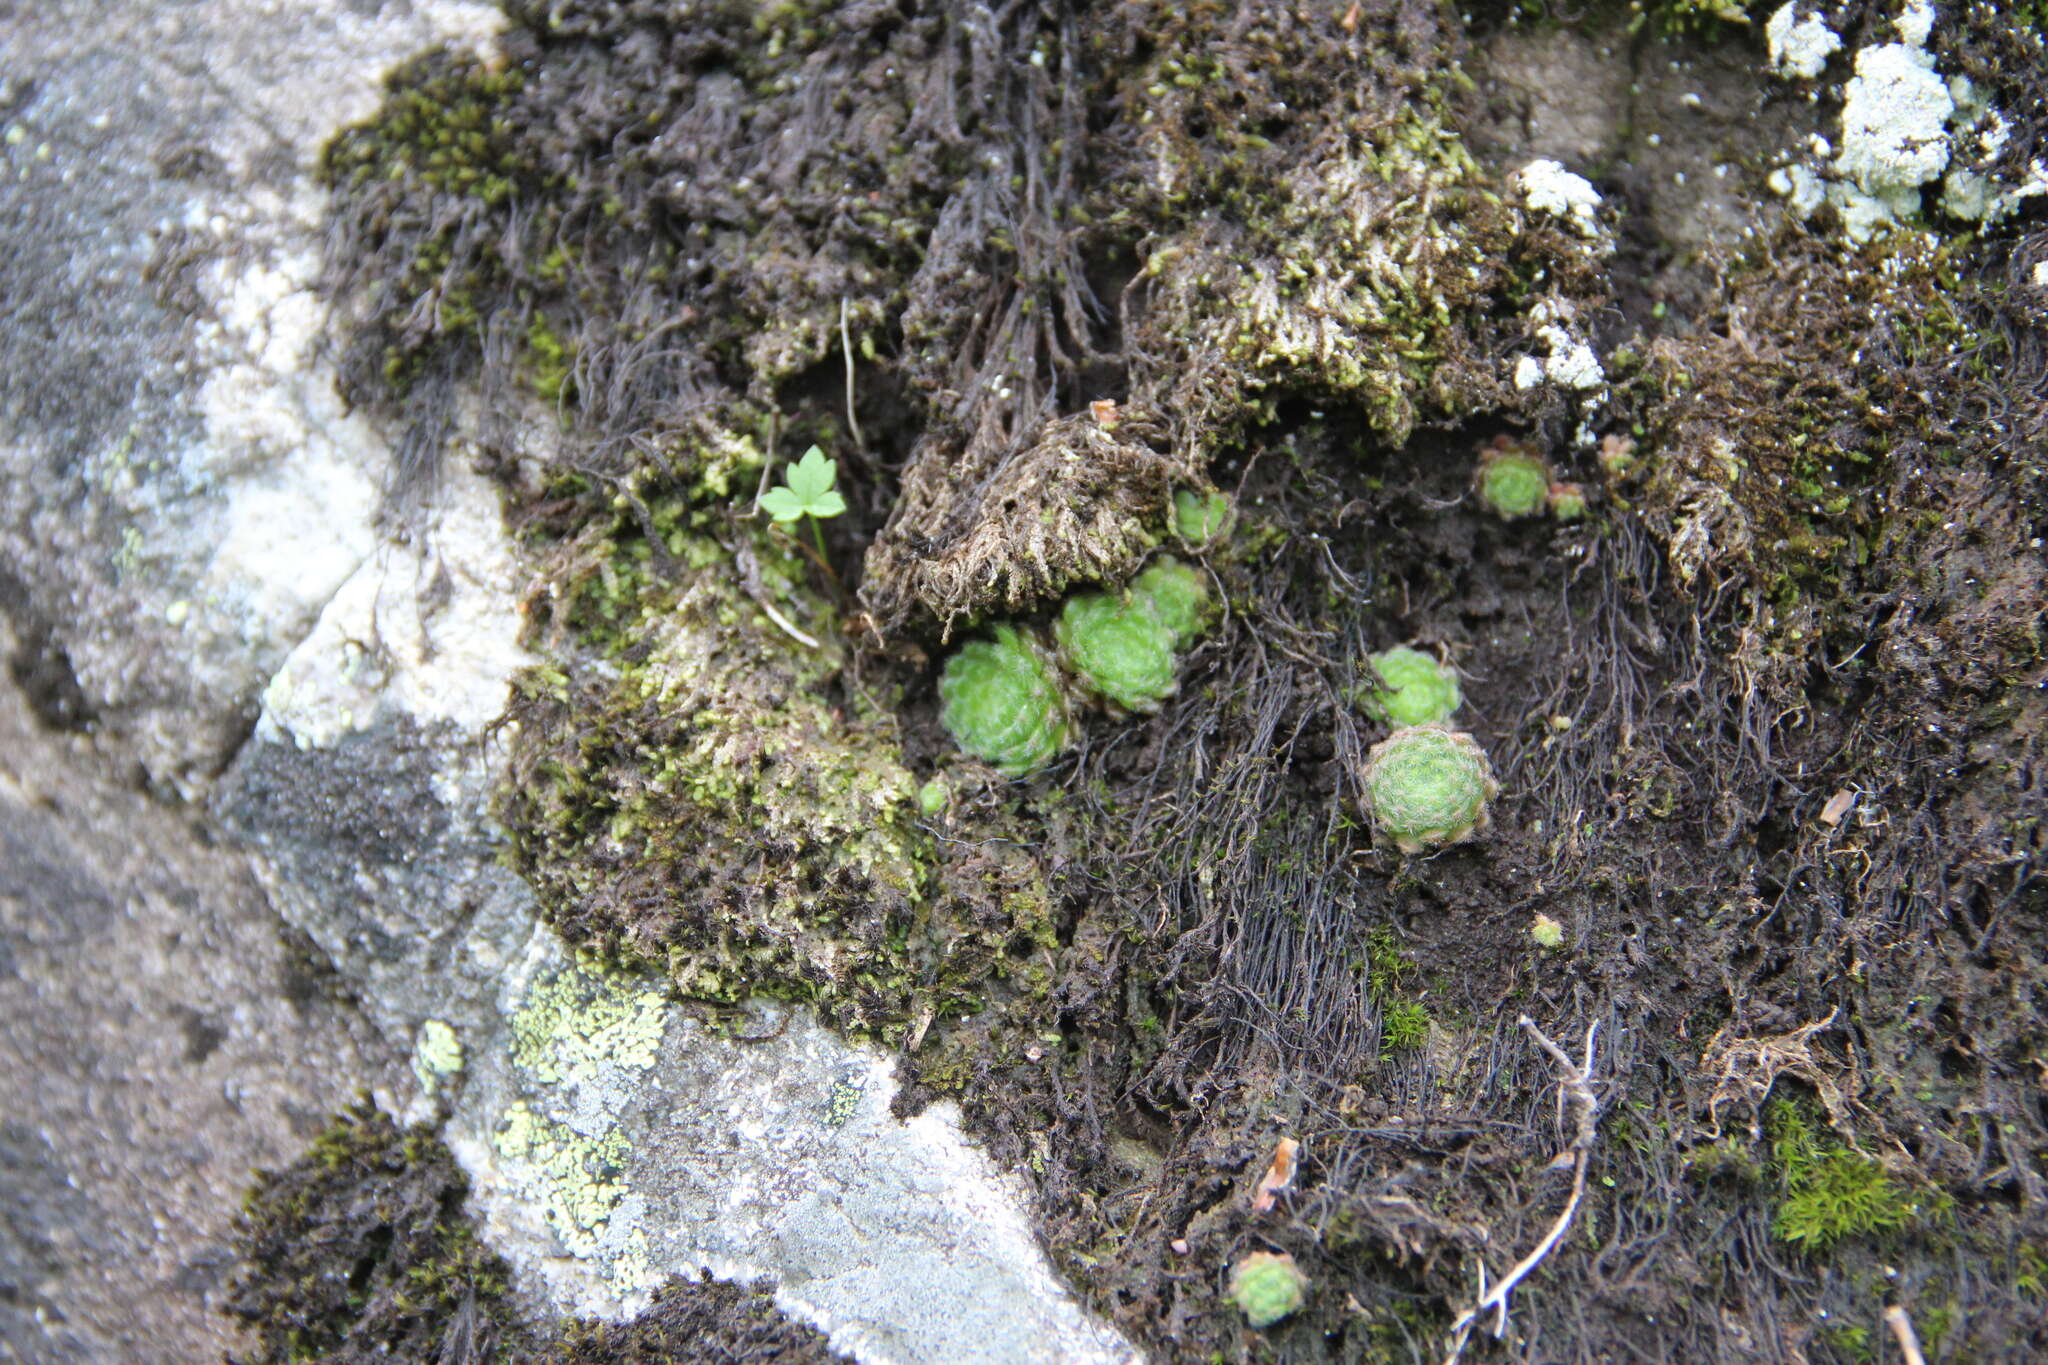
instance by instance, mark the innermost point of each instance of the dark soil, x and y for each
(1769, 722)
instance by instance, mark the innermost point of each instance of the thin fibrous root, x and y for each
(1575, 1095)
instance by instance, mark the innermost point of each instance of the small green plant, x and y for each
(1116, 650)
(1198, 517)
(1121, 650)
(1266, 1286)
(1408, 687)
(1174, 594)
(1567, 501)
(1001, 701)
(1403, 1026)
(1831, 1192)
(807, 491)
(1513, 480)
(1427, 787)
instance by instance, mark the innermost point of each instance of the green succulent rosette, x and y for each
(1513, 480)
(1117, 650)
(1426, 787)
(1408, 687)
(1199, 517)
(1174, 594)
(1001, 701)
(1267, 1286)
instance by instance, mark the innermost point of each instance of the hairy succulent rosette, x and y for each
(1174, 594)
(1408, 687)
(1266, 1286)
(1513, 480)
(1117, 650)
(1426, 787)
(1001, 701)
(1198, 517)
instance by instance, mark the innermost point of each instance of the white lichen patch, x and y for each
(1895, 114)
(1569, 360)
(1905, 129)
(298, 472)
(1547, 187)
(1799, 42)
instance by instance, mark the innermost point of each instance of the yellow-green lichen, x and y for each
(577, 1178)
(578, 1023)
(436, 1055)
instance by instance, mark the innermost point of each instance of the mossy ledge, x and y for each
(361, 1250)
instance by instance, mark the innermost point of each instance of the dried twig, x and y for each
(1574, 1095)
(1902, 1328)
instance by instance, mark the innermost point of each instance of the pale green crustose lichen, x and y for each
(576, 1176)
(436, 1055)
(577, 1022)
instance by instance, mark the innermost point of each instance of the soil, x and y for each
(1768, 721)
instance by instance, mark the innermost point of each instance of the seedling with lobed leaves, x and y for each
(807, 491)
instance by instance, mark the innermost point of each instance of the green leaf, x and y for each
(813, 476)
(782, 504)
(807, 490)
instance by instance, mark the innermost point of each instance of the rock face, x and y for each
(264, 618)
(160, 1037)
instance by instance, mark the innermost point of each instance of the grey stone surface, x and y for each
(205, 603)
(159, 1040)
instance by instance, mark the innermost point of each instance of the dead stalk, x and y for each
(1902, 1328)
(1575, 1093)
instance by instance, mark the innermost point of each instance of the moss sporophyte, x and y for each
(1427, 787)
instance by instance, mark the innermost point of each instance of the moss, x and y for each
(550, 362)
(718, 800)
(360, 1250)
(1830, 1192)
(445, 125)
